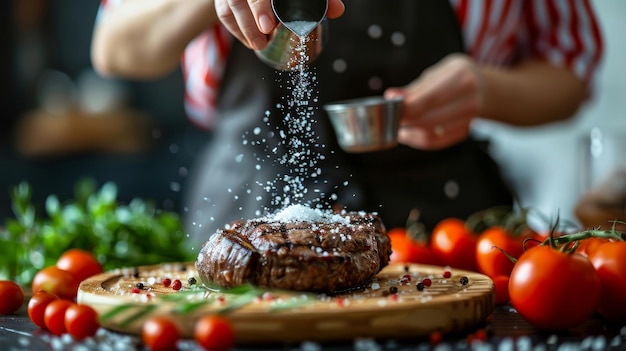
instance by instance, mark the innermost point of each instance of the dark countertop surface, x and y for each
(504, 329)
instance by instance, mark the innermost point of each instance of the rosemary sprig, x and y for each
(241, 296)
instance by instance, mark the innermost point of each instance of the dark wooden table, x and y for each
(504, 328)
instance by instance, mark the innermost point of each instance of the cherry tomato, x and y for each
(454, 244)
(11, 297)
(589, 245)
(81, 321)
(160, 333)
(37, 307)
(80, 263)
(501, 283)
(554, 290)
(214, 333)
(54, 316)
(406, 250)
(490, 258)
(609, 260)
(56, 281)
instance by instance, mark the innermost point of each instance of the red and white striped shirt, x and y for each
(496, 32)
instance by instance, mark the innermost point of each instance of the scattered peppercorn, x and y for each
(167, 282)
(393, 290)
(406, 269)
(177, 284)
(135, 290)
(435, 337)
(385, 293)
(192, 281)
(135, 272)
(427, 282)
(420, 286)
(139, 285)
(464, 280)
(447, 274)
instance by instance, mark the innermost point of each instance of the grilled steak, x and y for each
(321, 253)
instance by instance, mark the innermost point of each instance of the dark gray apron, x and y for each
(227, 183)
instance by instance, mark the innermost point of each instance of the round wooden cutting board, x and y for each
(391, 307)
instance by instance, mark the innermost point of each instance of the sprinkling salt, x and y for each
(301, 28)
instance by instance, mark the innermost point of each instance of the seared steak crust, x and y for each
(301, 255)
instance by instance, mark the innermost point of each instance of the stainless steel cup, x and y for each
(299, 35)
(365, 124)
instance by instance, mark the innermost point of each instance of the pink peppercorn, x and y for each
(427, 282)
(177, 284)
(447, 274)
(167, 282)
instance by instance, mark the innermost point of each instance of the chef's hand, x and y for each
(252, 21)
(440, 104)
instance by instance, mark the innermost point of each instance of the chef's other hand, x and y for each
(440, 104)
(251, 21)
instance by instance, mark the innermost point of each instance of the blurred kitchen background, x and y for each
(61, 122)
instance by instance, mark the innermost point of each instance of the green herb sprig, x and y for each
(120, 235)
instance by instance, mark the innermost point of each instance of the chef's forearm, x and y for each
(531, 93)
(146, 38)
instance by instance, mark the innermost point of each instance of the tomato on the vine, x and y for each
(491, 246)
(11, 297)
(81, 321)
(80, 263)
(160, 333)
(54, 316)
(454, 244)
(214, 333)
(554, 290)
(37, 307)
(405, 249)
(589, 245)
(55, 281)
(609, 260)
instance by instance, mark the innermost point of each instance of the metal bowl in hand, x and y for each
(365, 124)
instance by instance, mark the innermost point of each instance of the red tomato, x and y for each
(454, 244)
(81, 321)
(37, 307)
(80, 263)
(589, 245)
(490, 259)
(501, 284)
(160, 333)
(54, 316)
(56, 281)
(609, 260)
(406, 250)
(214, 333)
(554, 290)
(11, 297)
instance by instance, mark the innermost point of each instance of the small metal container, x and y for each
(300, 32)
(365, 124)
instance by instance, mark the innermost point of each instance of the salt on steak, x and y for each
(298, 248)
